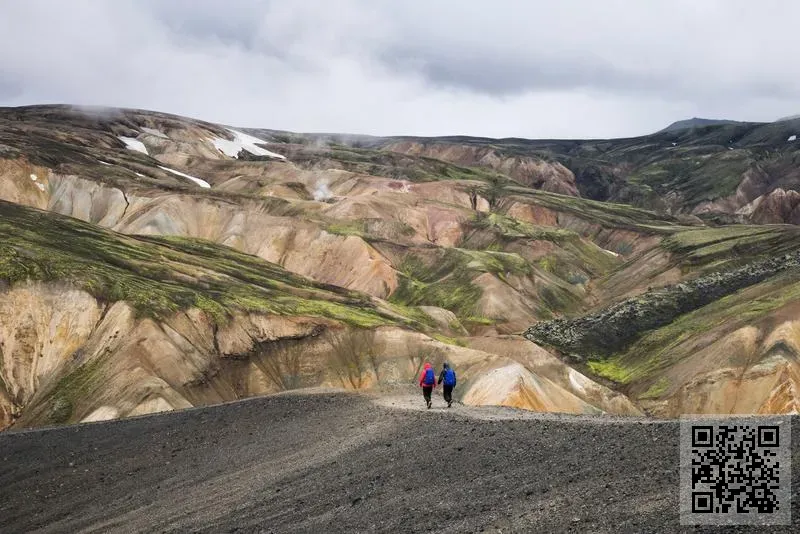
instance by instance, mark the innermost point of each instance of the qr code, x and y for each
(736, 470)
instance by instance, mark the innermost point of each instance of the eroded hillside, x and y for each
(734, 172)
(210, 259)
(95, 325)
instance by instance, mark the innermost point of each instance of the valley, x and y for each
(152, 262)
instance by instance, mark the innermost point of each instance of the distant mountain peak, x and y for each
(696, 122)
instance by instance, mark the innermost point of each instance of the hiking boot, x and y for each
(429, 404)
(449, 403)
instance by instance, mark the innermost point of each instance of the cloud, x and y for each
(507, 68)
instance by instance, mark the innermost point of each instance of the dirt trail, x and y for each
(413, 402)
(336, 462)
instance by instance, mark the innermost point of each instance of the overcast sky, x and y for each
(500, 68)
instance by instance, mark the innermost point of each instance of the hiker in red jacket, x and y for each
(427, 381)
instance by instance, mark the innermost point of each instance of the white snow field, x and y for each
(198, 181)
(134, 144)
(242, 141)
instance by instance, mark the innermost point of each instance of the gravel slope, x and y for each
(335, 462)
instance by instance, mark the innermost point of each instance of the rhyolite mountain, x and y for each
(725, 173)
(150, 262)
(696, 122)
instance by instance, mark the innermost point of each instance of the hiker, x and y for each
(427, 381)
(448, 376)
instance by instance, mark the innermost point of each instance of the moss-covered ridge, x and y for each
(641, 365)
(615, 328)
(608, 214)
(730, 246)
(159, 276)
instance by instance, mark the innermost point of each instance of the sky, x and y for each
(505, 68)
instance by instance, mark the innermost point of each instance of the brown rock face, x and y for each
(529, 171)
(777, 207)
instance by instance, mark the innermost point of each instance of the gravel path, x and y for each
(335, 462)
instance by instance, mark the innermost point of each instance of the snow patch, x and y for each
(134, 144)
(792, 138)
(104, 162)
(138, 174)
(157, 133)
(40, 186)
(674, 144)
(34, 177)
(198, 181)
(610, 252)
(242, 141)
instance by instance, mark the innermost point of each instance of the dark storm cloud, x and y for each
(518, 74)
(573, 68)
(514, 75)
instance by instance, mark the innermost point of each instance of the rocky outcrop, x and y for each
(618, 325)
(41, 329)
(776, 207)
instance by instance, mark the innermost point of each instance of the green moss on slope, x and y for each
(391, 164)
(510, 227)
(732, 245)
(447, 283)
(161, 275)
(607, 214)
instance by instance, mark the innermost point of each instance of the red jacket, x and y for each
(422, 376)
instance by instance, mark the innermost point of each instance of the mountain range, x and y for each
(152, 262)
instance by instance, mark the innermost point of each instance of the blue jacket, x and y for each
(448, 376)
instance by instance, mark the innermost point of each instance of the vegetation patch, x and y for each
(356, 227)
(159, 276)
(389, 164)
(663, 347)
(607, 214)
(656, 390)
(697, 177)
(615, 328)
(513, 228)
(449, 340)
(445, 280)
(446, 284)
(732, 245)
(611, 370)
(71, 389)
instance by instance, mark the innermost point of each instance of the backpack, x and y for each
(430, 377)
(449, 377)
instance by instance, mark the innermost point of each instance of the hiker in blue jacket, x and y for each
(448, 376)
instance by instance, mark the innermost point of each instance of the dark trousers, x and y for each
(448, 393)
(426, 392)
